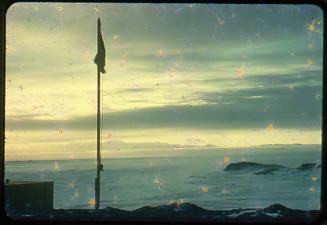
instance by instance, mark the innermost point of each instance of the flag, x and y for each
(101, 54)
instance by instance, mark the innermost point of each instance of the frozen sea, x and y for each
(191, 176)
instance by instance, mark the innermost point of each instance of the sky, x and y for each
(179, 77)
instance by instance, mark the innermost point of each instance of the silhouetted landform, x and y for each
(266, 171)
(252, 166)
(185, 212)
(265, 168)
(307, 166)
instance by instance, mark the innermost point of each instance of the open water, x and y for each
(192, 176)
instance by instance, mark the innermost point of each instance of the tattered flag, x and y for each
(101, 54)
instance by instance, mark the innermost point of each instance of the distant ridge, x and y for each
(288, 145)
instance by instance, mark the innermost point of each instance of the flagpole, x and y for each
(97, 180)
(99, 70)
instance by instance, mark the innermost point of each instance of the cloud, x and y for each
(305, 78)
(208, 54)
(136, 90)
(283, 107)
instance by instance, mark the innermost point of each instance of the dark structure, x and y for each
(28, 197)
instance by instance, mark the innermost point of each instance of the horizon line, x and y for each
(168, 156)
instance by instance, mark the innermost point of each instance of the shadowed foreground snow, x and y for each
(178, 212)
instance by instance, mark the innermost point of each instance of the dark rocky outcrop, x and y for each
(239, 166)
(308, 166)
(266, 171)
